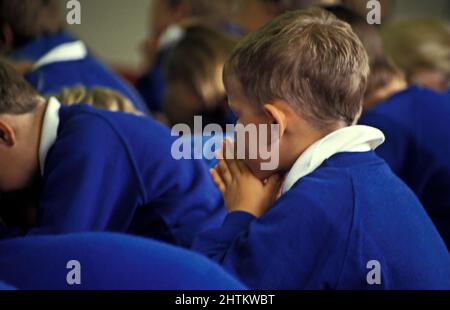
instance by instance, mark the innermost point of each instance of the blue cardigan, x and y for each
(326, 232)
(110, 171)
(88, 72)
(417, 147)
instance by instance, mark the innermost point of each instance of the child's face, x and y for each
(247, 115)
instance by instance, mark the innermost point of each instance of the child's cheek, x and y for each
(255, 167)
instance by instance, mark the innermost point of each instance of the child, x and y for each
(344, 220)
(195, 87)
(413, 119)
(167, 17)
(106, 262)
(32, 30)
(99, 170)
(23, 214)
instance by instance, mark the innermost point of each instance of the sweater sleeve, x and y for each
(265, 253)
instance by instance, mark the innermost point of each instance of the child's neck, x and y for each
(308, 136)
(395, 86)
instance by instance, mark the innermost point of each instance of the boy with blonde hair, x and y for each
(343, 220)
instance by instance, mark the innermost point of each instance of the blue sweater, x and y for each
(110, 171)
(5, 287)
(323, 233)
(107, 262)
(88, 72)
(417, 147)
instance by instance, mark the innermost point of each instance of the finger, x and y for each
(231, 162)
(274, 182)
(243, 166)
(224, 171)
(218, 181)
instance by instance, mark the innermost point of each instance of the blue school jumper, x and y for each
(49, 78)
(107, 262)
(110, 171)
(329, 228)
(415, 123)
(5, 287)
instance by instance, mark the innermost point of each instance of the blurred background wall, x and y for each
(113, 29)
(103, 21)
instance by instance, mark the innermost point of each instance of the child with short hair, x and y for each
(24, 202)
(99, 170)
(193, 73)
(343, 220)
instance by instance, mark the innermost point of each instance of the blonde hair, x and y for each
(308, 58)
(98, 97)
(419, 44)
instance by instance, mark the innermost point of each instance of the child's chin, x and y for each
(255, 167)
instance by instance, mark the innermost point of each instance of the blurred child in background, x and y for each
(421, 48)
(193, 72)
(166, 30)
(413, 119)
(33, 31)
(99, 170)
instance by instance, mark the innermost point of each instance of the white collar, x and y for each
(350, 139)
(65, 52)
(49, 131)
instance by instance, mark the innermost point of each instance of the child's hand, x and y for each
(241, 190)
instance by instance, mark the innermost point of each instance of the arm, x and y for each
(280, 248)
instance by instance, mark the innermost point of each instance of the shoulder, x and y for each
(321, 193)
(85, 121)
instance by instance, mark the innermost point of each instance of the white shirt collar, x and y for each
(49, 131)
(65, 52)
(350, 139)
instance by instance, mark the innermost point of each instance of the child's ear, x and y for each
(7, 136)
(276, 115)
